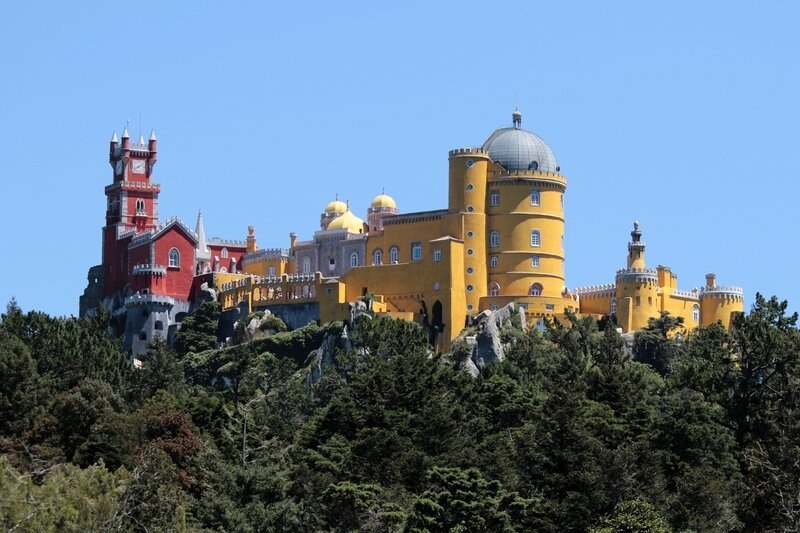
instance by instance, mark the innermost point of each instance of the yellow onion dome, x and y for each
(347, 221)
(383, 200)
(336, 206)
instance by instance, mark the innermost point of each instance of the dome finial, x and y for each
(516, 116)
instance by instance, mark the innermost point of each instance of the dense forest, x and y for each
(572, 431)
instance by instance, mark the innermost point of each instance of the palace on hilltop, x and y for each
(499, 240)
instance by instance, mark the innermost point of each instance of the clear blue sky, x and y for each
(684, 115)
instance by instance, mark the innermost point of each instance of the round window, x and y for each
(470, 270)
(470, 209)
(470, 307)
(469, 288)
(470, 162)
(470, 234)
(470, 186)
(470, 251)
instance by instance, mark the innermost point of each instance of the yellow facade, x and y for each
(499, 240)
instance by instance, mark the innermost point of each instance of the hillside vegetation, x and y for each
(567, 433)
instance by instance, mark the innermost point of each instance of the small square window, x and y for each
(437, 255)
(436, 285)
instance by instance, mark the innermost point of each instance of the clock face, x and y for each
(119, 167)
(138, 166)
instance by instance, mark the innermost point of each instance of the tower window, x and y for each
(416, 251)
(470, 186)
(437, 255)
(224, 253)
(536, 197)
(470, 209)
(536, 289)
(562, 202)
(470, 270)
(494, 261)
(353, 259)
(377, 257)
(393, 253)
(494, 239)
(306, 265)
(469, 288)
(613, 306)
(494, 289)
(140, 206)
(174, 258)
(696, 313)
(331, 264)
(535, 261)
(536, 238)
(494, 198)
(271, 271)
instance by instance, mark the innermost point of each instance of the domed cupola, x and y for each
(334, 209)
(520, 150)
(382, 206)
(349, 222)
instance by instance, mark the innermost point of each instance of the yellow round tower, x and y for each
(525, 232)
(718, 304)
(467, 196)
(637, 287)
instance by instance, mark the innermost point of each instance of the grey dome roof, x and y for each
(517, 149)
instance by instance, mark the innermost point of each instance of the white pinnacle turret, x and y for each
(114, 137)
(141, 139)
(125, 134)
(202, 253)
(152, 135)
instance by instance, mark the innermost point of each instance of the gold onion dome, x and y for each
(347, 221)
(383, 200)
(336, 206)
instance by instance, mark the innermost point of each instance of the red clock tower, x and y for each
(132, 205)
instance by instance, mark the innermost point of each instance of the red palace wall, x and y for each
(234, 252)
(178, 282)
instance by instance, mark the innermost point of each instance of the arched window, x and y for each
(306, 265)
(613, 306)
(223, 270)
(224, 253)
(536, 238)
(271, 271)
(535, 261)
(696, 313)
(494, 261)
(174, 258)
(494, 289)
(377, 257)
(494, 239)
(536, 289)
(393, 251)
(536, 197)
(354, 259)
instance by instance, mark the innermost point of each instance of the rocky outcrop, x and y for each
(207, 294)
(326, 355)
(486, 344)
(256, 328)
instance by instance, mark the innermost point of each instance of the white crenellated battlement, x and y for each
(226, 242)
(733, 293)
(637, 275)
(141, 185)
(146, 299)
(605, 289)
(149, 269)
(689, 295)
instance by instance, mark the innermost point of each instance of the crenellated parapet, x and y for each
(637, 275)
(597, 291)
(720, 292)
(133, 186)
(467, 151)
(148, 299)
(149, 269)
(687, 295)
(266, 254)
